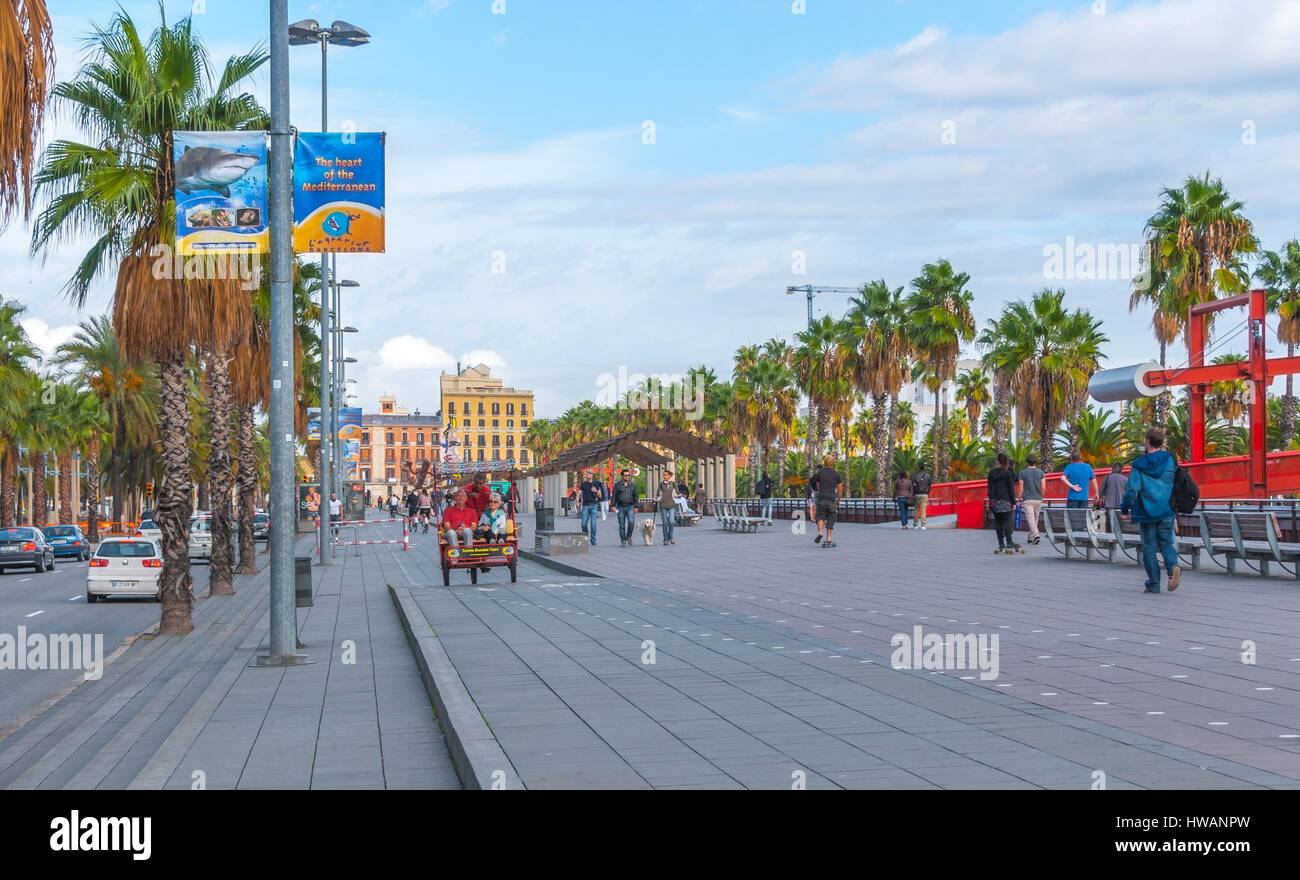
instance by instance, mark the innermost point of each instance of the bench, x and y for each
(682, 518)
(1128, 538)
(733, 517)
(1072, 529)
(1248, 536)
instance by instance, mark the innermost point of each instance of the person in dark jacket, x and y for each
(902, 495)
(764, 488)
(1146, 500)
(1002, 501)
(625, 499)
(921, 482)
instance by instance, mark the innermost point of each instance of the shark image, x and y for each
(211, 168)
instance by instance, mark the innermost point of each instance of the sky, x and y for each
(578, 187)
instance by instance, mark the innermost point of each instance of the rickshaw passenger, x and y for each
(458, 521)
(478, 494)
(492, 524)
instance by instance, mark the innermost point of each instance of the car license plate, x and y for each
(123, 585)
(8, 549)
(59, 541)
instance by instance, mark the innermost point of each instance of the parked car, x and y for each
(201, 538)
(25, 546)
(148, 529)
(261, 527)
(124, 567)
(67, 540)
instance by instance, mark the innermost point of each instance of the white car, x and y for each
(148, 529)
(201, 538)
(124, 567)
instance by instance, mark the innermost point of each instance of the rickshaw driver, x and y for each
(459, 521)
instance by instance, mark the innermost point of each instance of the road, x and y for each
(55, 602)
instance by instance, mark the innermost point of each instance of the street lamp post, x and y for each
(340, 33)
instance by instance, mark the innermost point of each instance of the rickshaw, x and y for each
(482, 552)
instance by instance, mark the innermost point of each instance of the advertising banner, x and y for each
(308, 501)
(313, 423)
(220, 192)
(338, 192)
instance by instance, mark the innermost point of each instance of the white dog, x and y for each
(648, 531)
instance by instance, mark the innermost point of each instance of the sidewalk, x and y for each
(771, 665)
(171, 711)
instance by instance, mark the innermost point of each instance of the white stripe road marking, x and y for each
(34, 613)
(74, 598)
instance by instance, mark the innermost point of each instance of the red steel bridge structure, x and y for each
(1257, 475)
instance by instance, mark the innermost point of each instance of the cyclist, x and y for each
(425, 508)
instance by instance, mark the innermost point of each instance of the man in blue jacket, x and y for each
(1150, 483)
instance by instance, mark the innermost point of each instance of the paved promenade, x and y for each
(772, 664)
(169, 708)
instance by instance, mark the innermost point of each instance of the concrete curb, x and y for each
(475, 751)
(558, 566)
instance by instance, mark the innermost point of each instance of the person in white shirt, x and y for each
(336, 511)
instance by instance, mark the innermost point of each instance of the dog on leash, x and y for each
(648, 531)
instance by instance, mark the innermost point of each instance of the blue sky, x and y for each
(520, 137)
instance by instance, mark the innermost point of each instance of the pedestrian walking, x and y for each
(1002, 501)
(701, 499)
(604, 501)
(902, 495)
(764, 488)
(829, 487)
(1113, 486)
(336, 511)
(1080, 480)
(921, 483)
(1029, 489)
(589, 489)
(1146, 500)
(625, 499)
(667, 506)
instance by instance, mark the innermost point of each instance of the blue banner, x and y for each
(338, 193)
(220, 192)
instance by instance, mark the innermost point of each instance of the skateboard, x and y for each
(1009, 551)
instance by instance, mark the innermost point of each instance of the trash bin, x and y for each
(302, 581)
(545, 519)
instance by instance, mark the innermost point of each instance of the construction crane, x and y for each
(812, 290)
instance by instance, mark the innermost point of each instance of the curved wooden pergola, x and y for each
(631, 446)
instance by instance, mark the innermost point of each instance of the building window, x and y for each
(365, 454)
(365, 476)
(419, 438)
(523, 456)
(365, 436)
(405, 438)
(496, 456)
(523, 409)
(510, 409)
(406, 455)
(388, 454)
(480, 408)
(419, 453)
(496, 423)
(480, 455)
(510, 441)
(481, 423)
(389, 473)
(496, 440)
(523, 423)
(451, 408)
(390, 438)
(496, 409)
(482, 441)
(510, 423)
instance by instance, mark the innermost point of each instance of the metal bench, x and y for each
(1251, 537)
(1128, 538)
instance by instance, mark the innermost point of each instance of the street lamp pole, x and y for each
(283, 502)
(340, 33)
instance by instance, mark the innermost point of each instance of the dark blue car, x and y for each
(67, 541)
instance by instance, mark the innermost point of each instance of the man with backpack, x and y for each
(921, 482)
(1147, 498)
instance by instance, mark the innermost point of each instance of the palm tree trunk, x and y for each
(880, 442)
(780, 465)
(92, 490)
(38, 489)
(943, 446)
(999, 422)
(173, 513)
(1165, 400)
(1045, 457)
(119, 448)
(247, 492)
(891, 441)
(7, 486)
(66, 513)
(220, 478)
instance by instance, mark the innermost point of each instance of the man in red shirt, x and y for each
(459, 521)
(478, 494)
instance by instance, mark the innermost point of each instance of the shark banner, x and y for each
(220, 192)
(338, 193)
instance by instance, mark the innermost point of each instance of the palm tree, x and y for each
(1056, 351)
(1197, 240)
(17, 356)
(1279, 272)
(972, 389)
(129, 96)
(878, 329)
(79, 421)
(1100, 438)
(38, 433)
(26, 69)
(941, 320)
(1228, 398)
(127, 393)
(818, 362)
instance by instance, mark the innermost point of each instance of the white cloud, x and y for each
(45, 337)
(742, 113)
(407, 352)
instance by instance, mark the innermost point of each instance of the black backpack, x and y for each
(1186, 494)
